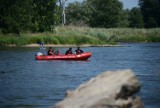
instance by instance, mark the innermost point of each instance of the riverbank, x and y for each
(67, 45)
(67, 35)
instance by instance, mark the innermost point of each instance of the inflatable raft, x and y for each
(83, 56)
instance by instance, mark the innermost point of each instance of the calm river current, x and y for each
(27, 83)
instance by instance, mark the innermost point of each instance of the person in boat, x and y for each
(78, 51)
(50, 51)
(69, 51)
(57, 52)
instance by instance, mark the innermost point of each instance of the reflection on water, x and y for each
(25, 82)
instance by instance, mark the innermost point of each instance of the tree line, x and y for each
(27, 15)
(43, 15)
(110, 14)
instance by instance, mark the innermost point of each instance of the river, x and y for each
(27, 83)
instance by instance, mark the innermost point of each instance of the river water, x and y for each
(27, 83)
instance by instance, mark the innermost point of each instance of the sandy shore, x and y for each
(67, 45)
(84, 45)
(53, 45)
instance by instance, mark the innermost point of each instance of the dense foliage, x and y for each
(135, 18)
(105, 13)
(151, 12)
(110, 14)
(77, 14)
(23, 16)
(95, 13)
(27, 15)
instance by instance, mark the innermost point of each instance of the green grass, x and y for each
(83, 35)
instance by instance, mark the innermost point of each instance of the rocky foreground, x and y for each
(111, 89)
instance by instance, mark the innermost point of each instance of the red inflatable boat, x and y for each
(83, 56)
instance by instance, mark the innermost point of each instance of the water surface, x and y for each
(27, 83)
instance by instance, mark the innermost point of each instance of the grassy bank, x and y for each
(83, 35)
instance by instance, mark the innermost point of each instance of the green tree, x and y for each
(151, 12)
(124, 15)
(27, 15)
(93, 13)
(15, 15)
(76, 14)
(135, 18)
(43, 17)
(105, 13)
